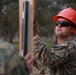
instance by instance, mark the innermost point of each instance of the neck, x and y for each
(61, 40)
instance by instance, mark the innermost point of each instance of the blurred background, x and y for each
(45, 10)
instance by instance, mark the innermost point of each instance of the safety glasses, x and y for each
(63, 23)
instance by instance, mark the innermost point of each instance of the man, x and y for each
(11, 63)
(61, 58)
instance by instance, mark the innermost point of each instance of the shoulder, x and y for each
(67, 44)
(5, 45)
(7, 55)
(7, 51)
(70, 41)
(71, 44)
(6, 48)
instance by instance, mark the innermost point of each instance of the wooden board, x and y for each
(31, 12)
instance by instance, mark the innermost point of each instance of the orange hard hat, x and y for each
(68, 13)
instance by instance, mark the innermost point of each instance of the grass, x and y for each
(47, 42)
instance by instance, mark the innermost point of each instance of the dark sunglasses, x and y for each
(63, 23)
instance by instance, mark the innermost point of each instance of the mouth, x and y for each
(58, 30)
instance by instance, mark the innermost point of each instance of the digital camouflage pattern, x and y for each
(58, 60)
(10, 62)
(38, 68)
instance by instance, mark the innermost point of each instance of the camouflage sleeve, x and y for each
(38, 46)
(37, 43)
(39, 52)
(10, 62)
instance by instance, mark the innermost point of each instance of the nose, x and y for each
(59, 25)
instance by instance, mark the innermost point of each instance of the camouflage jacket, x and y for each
(60, 59)
(10, 62)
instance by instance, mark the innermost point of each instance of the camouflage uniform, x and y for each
(60, 59)
(38, 68)
(10, 62)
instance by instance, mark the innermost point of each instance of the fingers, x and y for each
(29, 61)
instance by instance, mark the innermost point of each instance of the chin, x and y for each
(59, 35)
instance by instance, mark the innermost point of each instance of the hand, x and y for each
(29, 61)
(35, 36)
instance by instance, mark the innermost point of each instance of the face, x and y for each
(63, 30)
